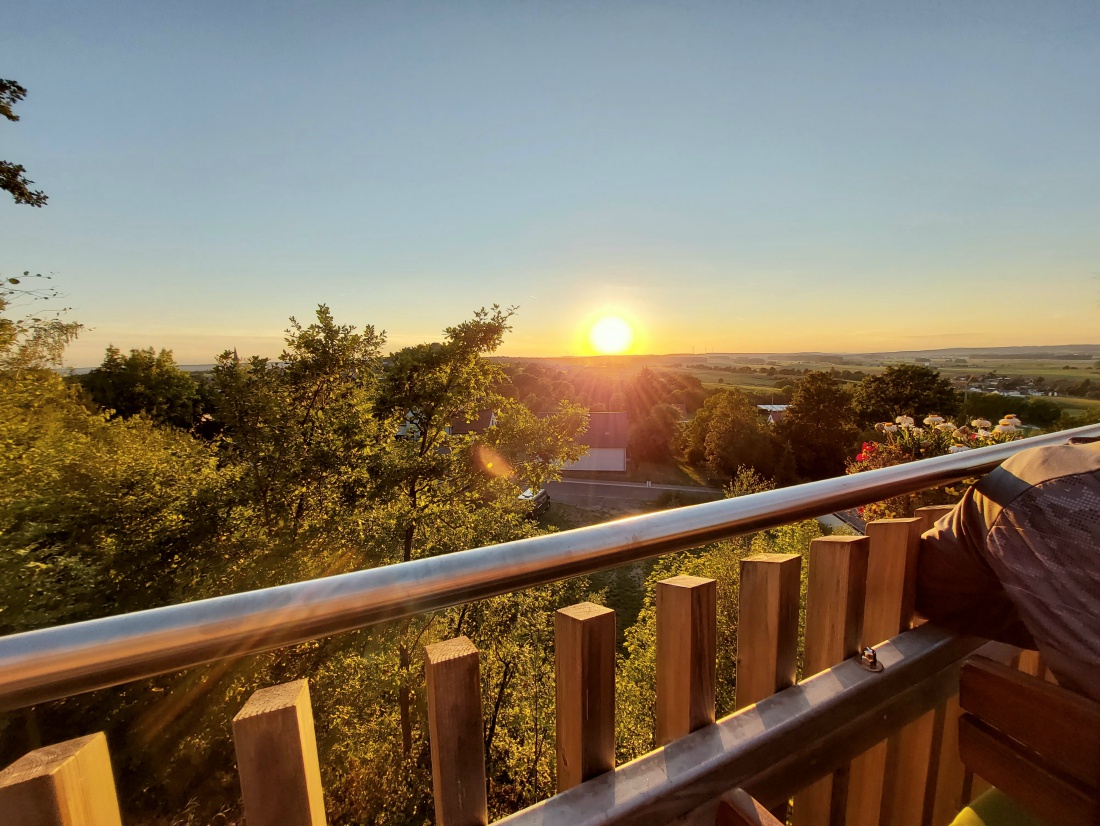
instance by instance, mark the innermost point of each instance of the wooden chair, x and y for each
(1039, 744)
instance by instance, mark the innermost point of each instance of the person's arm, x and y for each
(956, 587)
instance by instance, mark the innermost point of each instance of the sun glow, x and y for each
(611, 335)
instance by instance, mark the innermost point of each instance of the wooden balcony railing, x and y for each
(855, 742)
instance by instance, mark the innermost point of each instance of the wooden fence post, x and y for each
(69, 783)
(767, 630)
(457, 737)
(943, 799)
(834, 620)
(687, 623)
(767, 625)
(888, 609)
(584, 655)
(277, 758)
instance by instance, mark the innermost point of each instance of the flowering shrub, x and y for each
(903, 440)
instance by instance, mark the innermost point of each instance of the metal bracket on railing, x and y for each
(868, 660)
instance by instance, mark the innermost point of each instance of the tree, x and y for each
(904, 390)
(302, 427)
(31, 342)
(818, 426)
(12, 176)
(651, 439)
(728, 433)
(1033, 410)
(446, 492)
(144, 382)
(100, 515)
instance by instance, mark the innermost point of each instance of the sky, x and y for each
(726, 176)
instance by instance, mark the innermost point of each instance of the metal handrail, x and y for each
(70, 659)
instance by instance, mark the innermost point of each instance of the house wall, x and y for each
(601, 458)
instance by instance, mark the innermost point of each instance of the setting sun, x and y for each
(611, 335)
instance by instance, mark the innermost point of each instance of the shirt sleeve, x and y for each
(956, 587)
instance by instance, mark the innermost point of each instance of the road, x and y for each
(587, 493)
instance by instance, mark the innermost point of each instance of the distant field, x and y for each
(623, 368)
(1077, 407)
(752, 381)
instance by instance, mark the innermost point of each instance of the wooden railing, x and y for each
(851, 745)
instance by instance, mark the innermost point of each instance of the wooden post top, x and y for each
(45, 761)
(68, 783)
(274, 697)
(584, 611)
(895, 520)
(772, 558)
(686, 581)
(937, 509)
(453, 649)
(838, 539)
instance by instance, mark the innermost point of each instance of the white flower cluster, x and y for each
(909, 423)
(1009, 424)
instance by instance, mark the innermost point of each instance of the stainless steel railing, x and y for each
(57, 662)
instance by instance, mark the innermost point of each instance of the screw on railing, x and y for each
(891, 588)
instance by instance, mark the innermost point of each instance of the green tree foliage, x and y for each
(653, 438)
(301, 428)
(31, 342)
(431, 477)
(1035, 410)
(819, 426)
(728, 433)
(904, 390)
(143, 382)
(13, 178)
(100, 515)
(445, 493)
(108, 514)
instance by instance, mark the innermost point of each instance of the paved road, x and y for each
(585, 492)
(592, 494)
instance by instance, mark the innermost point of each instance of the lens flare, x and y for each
(492, 463)
(611, 335)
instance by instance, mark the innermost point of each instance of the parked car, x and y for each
(540, 500)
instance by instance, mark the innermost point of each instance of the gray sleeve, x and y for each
(956, 587)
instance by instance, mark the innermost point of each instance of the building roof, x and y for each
(605, 430)
(482, 422)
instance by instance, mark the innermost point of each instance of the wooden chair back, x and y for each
(1036, 742)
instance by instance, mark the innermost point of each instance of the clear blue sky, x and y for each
(727, 176)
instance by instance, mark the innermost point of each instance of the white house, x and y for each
(605, 442)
